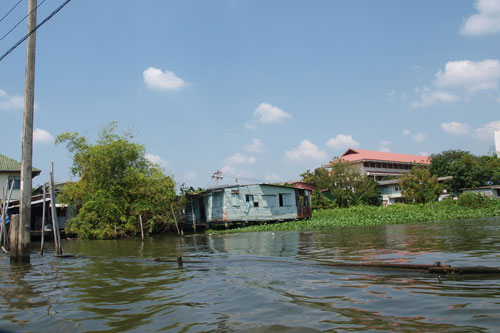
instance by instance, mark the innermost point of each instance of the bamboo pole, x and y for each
(5, 207)
(43, 219)
(55, 224)
(175, 219)
(2, 225)
(142, 230)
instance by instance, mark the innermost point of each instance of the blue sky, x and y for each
(258, 89)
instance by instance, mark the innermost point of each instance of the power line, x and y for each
(11, 10)
(21, 20)
(36, 28)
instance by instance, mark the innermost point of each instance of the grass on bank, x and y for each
(467, 208)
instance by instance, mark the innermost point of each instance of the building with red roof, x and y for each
(381, 164)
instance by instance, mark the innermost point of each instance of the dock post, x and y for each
(14, 235)
(43, 219)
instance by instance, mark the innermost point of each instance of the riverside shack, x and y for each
(248, 203)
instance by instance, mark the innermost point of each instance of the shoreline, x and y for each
(374, 215)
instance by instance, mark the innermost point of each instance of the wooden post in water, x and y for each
(43, 219)
(175, 219)
(5, 209)
(142, 230)
(14, 235)
(3, 226)
(53, 212)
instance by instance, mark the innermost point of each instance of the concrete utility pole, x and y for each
(27, 148)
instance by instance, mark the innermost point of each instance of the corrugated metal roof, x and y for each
(9, 164)
(358, 155)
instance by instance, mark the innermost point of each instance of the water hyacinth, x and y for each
(370, 215)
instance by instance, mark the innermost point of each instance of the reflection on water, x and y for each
(260, 282)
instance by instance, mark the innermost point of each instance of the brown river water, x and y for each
(260, 282)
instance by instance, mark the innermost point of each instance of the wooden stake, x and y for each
(14, 234)
(142, 230)
(55, 224)
(2, 226)
(43, 220)
(175, 219)
(5, 209)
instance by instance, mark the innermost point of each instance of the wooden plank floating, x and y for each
(435, 268)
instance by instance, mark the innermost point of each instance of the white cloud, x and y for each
(423, 153)
(8, 102)
(385, 142)
(431, 97)
(455, 128)
(406, 132)
(306, 151)
(229, 170)
(42, 136)
(250, 126)
(156, 79)
(419, 137)
(272, 177)
(267, 113)
(155, 159)
(469, 75)
(190, 175)
(342, 141)
(385, 146)
(391, 95)
(486, 21)
(255, 146)
(487, 131)
(239, 158)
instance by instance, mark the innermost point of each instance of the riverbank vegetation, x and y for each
(116, 185)
(469, 206)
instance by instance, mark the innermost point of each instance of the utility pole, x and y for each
(27, 145)
(217, 176)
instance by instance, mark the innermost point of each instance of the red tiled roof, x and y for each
(358, 155)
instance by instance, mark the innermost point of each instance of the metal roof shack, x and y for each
(247, 203)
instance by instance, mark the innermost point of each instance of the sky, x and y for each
(260, 90)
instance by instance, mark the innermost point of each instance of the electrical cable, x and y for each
(10, 11)
(35, 29)
(20, 21)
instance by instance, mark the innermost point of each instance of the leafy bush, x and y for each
(473, 200)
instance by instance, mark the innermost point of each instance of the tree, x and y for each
(116, 185)
(466, 169)
(344, 184)
(419, 186)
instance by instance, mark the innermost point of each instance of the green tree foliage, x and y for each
(344, 184)
(116, 185)
(419, 186)
(466, 169)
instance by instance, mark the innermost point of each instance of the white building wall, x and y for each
(4, 181)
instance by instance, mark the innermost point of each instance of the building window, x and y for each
(397, 188)
(269, 200)
(379, 165)
(366, 164)
(17, 182)
(249, 198)
(235, 197)
(284, 199)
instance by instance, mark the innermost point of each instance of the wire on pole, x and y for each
(35, 29)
